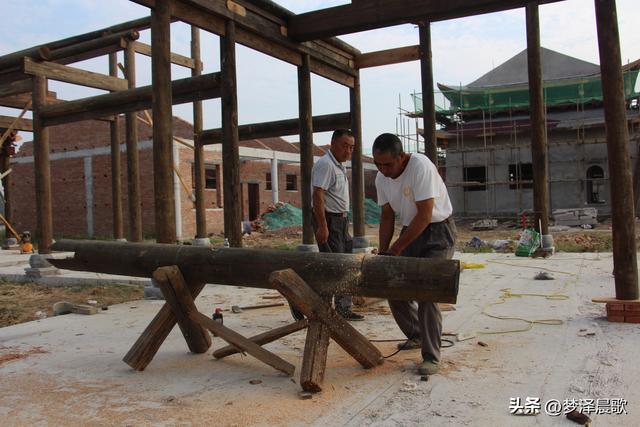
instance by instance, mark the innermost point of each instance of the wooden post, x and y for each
(625, 264)
(165, 215)
(230, 143)
(133, 158)
(116, 189)
(538, 130)
(428, 101)
(357, 170)
(5, 165)
(42, 168)
(306, 147)
(198, 149)
(314, 359)
(177, 295)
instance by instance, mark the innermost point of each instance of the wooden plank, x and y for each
(368, 15)
(177, 295)
(184, 90)
(148, 343)
(388, 57)
(244, 344)
(607, 300)
(264, 338)
(305, 299)
(306, 148)
(16, 88)
(314, 359)
(145, 49)
(625, 263)
(18, 124)
(322, 123)
(164, 197)
(230, 146)
(73, 75)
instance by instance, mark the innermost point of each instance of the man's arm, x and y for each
(322, 233)
(416, 226)
(387, 224)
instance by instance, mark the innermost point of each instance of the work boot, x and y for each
(411, 344)
(347, 314)
(428, 367)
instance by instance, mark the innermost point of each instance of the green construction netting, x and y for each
(577, 91)
(287, 215)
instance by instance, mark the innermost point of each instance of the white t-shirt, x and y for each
(419, 181)
(331, 176)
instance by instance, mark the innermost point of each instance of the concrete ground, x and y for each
(68, 370)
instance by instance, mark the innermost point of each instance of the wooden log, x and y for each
(116, 182)
(305, 299)
(184, 61)
(39, 53)
(78, 51)
(177, 295)
(19, 101)
(388, 57)
(399, 278)
(625, 263)
(306, 148)
(16, 88)
(16, 123)
(133, 157)
(42, 168)
(314, 359)
(230, 146)
(72, 75)
(198, 152)
(184, 90)
(5, 173)
(322, 123)
(357, 167)
(264, 338)
(164, 196)
(244, 344)
(146, 346)
(428, 101)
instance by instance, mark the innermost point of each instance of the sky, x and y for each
(463, 50)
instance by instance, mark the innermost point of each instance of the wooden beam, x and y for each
(164, 196)
(72, 75)
(230, 146)
(16, 88)
(357, 167)
(198, 149)
(428, 100)
(264, 338)
(18, 124)
(314, 358)
(539, 159)
(388, 57)
(176, 293)
(87, 49)
(306, 148)
(323, 123)
(625, 267)
(42, 168)
(116, 181)
(184, 90)
(305, 299)
(145, 49)
(19, 101)
(368, 15)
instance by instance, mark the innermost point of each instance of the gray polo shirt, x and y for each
(331, 176)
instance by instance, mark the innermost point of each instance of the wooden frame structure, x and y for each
(303, 41)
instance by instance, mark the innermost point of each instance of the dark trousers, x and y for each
(423, 320)
(340, 242)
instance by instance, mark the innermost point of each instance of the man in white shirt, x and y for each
(410, 185)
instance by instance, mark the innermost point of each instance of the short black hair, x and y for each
(388, 143)
(341, 132)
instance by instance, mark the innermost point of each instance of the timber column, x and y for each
(42, 168)
(116, 188)
(230, 138)
(306, 148)
(198, 149)
(428, 101)
(133, 158)
(538, 127)
(625, 269)
(5, 165)
(162, 122)
(357, 172)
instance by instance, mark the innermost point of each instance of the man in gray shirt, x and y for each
(330, 202)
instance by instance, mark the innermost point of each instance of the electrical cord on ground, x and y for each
(403, 346)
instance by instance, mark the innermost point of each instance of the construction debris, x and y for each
(575, 217)
(485, 224)
(65, 307)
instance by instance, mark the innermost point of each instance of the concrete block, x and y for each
(38, 273)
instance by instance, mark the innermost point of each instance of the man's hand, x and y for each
(322, 235)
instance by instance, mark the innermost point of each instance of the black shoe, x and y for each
(349, 315)
(410, 344)
(297, 315)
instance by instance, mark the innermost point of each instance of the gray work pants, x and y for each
(339, 242)
(423, 320)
